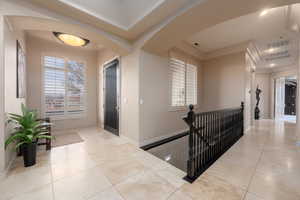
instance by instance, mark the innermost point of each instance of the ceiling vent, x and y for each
(278, 55)
(278, 44)
(282, 46)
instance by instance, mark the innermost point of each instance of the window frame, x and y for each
(184, 107)
(43, 105)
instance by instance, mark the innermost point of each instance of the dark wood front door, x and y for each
(111, 109)
(290, 98)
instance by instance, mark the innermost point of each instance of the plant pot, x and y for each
(29, 154)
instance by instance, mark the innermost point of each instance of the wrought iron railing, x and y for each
(210, 135)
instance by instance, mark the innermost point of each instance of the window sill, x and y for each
(67, 118)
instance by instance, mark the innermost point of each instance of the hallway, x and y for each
(265, 162)
(263, 165)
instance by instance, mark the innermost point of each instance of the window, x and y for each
(184, 83)
(64, 88)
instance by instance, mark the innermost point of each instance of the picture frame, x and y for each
(21, 72)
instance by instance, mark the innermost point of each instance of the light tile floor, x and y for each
(263, 165)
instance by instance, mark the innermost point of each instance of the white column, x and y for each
(2, 91)
(253, 95)
(298, 93)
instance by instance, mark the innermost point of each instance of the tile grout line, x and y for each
(52, 179)
(176, 190)
(256, 166)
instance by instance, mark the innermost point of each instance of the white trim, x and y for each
(125, 26)
(241, 47)
(66, 58)
(2, 95)
(273, 77)
(4, 174)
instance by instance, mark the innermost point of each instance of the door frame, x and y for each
(118, 91)
(273, 78)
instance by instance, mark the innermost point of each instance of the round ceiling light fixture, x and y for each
(71, 40)
(264, 12)
(271, 50)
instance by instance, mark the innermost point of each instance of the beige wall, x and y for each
(130, 83)
(36, 48)
(263, 81)
(2, 92)
(144, 113)
(129, 95)
(156, 119)
(224, 81)
(12, 104)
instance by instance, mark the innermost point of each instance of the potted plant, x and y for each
(27, 131)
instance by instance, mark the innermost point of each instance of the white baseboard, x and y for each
(155, 139)
(131, 141)
(4, 173)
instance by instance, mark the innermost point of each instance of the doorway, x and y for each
(111, 96)
(285, 98)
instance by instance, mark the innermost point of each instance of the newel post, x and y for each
(242, 116)
(191, 115)
(190, 121)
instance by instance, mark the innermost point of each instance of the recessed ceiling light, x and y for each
(264, 12)
(196, 44)
(272, 65)
(71, 40)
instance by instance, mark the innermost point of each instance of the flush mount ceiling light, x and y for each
(272, 65)
(71, 40)
(264, 12)
(271, 50)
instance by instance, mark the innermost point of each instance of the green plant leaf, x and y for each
(44, 137)
(15, 137)
(27, 128)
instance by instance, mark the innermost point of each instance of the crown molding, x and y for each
(242, 47)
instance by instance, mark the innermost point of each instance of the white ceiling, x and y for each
(277, 52)
(270, 31)
(121, 13)
(241, 29)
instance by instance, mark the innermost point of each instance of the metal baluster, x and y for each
(210, 135)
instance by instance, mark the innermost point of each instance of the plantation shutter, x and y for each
(183, 80)
(75, 88)
(64, 87)
(177, 82)
(191, 84)
(54, 86)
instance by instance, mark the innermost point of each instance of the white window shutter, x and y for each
(54, 86)
(75, 88)
(183, 83)
(177, 82)
(64, 88)
(191, 84)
